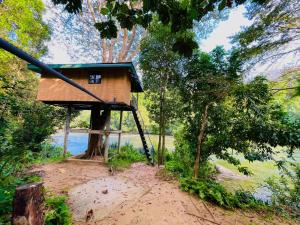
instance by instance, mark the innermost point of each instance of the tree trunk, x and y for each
(95, 145)
(202, 126)
(28, 205)
(67, 131)
(163, 129)
(120, 134)
(159, 150)
(106, 143)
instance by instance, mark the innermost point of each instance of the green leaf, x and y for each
(222, 5)
(104, 11)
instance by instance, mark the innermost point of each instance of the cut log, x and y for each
(28, 205)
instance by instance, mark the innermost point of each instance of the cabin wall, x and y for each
(115, 87)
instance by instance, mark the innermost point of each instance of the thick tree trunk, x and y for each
(95, 145)
(202, 126)
(28, 205)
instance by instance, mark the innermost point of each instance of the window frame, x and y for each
(94, 78)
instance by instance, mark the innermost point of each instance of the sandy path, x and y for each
(160, 202)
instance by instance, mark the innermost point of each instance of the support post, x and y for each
(28, 205)
(106, 143)
(67, 130)
(120, 128)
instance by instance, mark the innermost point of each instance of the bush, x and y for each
(57, 211)
(215, 193)
(285, 198)
(48, 153)
(128, 155)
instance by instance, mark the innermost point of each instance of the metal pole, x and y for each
(23, 55)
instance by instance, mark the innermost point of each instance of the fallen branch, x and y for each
(196, 207)
(212, 215)
(192, 214)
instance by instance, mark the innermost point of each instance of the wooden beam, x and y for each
(67, 130)
(89, 131)
(107, 132)
(120, 134)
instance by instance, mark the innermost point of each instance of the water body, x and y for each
(78, 141)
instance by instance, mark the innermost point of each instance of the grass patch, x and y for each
(57, 212)
(128, 155)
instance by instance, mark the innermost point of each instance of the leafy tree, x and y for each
(180, 15)
(161, 67)
(24, 123)
(274, 32)
(84, 41)
(208, 82)
(223, 115)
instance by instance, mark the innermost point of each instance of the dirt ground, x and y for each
(136, 196)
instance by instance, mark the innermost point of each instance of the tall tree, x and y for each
(222, 114)
(161, 68)
(79, 33)
(275, 31)
(24, 123)
(180, 15)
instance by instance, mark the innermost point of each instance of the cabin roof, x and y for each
(135, 81)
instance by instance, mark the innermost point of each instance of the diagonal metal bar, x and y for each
(25, 56)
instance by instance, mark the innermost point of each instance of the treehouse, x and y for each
(114, 85)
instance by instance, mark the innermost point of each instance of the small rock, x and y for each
(105, 191)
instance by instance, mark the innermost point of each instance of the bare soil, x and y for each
(137, 196)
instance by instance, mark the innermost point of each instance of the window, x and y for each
(95, 79)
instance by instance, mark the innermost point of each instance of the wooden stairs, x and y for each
(142, 135)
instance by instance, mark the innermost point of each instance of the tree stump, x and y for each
(28, 205)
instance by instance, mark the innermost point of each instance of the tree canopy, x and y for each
(274, 33)
(180, 15)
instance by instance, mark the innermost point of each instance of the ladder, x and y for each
(142, 135)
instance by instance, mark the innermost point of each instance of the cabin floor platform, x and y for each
(90, 105)
(94, 160)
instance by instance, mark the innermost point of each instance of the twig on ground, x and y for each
(193, 214)
(212, 215)
(196, 207)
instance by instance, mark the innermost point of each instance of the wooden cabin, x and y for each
(113, 83)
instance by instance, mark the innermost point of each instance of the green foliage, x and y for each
(128, 155)
(57, 211)
(215, 193)
(24, 122)
(49, 153)
(241, 117)
(285, 191)
(179, 15)
(12, 175)
(274, 32)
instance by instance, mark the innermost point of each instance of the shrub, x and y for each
(285, 190)
(57, 211)
(215, 193)
(128, 155)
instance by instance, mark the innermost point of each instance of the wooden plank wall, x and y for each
(115, 86)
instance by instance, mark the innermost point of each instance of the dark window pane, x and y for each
(95, 79)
